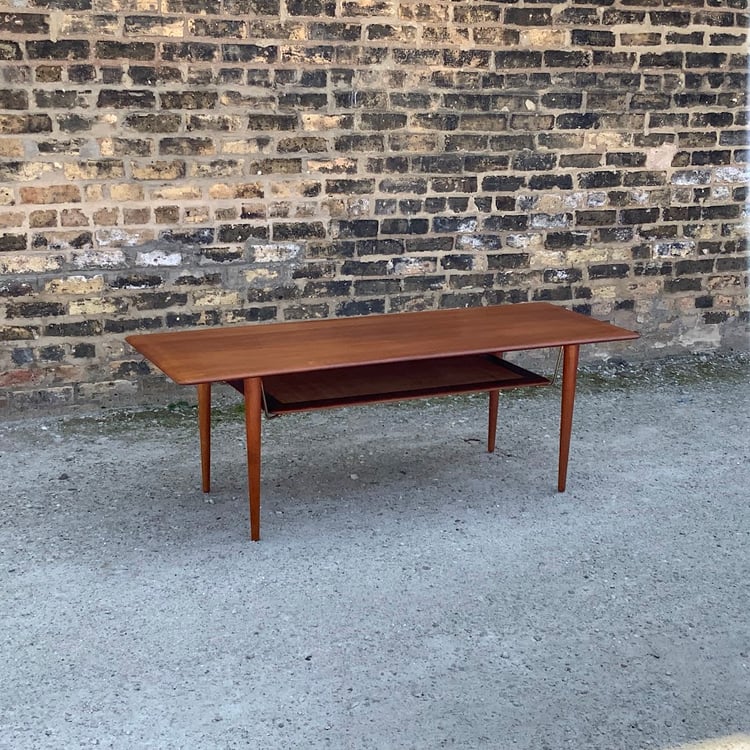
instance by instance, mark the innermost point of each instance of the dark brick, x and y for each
(354, 143)
(533, 161)
(189, 51)
(712, 213)
(249, 53)
(307, 312)
(360, 307)
(599, 179)
(142, 75)
(665, 60)
(593, 38)
(133, 99)
(383, 120)
(504, 261)
(312, 8)
(14, 98)
(84, 351)
(453, 184)
(506, 222)
(164, 122)
(701, 158)
(404, 226)
(68, 330)
(24, 23)
(627, 159)
(137, 281)
(516, 59)
(327, 288)
(241, 232)
(355, 187)
(732, 264)
(562, 275)
(204, 236)
(639, 216)
(113, 50)
(53, 353)
(177, 100)
(567, 59)
(159, 300)
(672, 286)
(34, 310)
(452, 301)
(454, 224)
(12, 242)
(554, 294)
(22, 357)
(550, 182)
(15, 289)
(67, 49)
(448, 163)
(528, 17)
(686, 267)
(371, 287)
(566, 240)
(609, 271)
(715, 317)
(710, 60)
(356, 228)
(136, 324)
(298, 230)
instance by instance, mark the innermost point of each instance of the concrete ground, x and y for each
(410, 591)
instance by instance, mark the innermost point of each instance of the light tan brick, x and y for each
(12, 219)
(176, 193)
(11, 148)
(92, 306)
(18, 263)
(126, 192)
(51, 194)
(75, 285)
(216, 298)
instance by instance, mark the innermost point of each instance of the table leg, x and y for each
(492, 425)
(253, 405)
(204, 429)
(570, 368)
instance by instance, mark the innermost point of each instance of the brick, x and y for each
(126, 99)
(361, 307)
(26, 123)
(67, 49)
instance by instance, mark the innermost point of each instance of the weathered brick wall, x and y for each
(168, 163)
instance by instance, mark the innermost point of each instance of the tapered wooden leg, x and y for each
(252, 387)
(492, 423)
(204, 429)
(570, 369)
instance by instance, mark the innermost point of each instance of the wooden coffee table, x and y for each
(287, 367)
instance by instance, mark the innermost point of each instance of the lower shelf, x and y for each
(343, 386)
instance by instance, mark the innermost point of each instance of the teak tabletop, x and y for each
(210, 355)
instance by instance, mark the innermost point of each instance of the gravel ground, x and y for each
(410, 591)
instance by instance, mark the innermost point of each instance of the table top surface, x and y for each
(206, 355)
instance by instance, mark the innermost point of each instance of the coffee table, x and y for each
(316, 364)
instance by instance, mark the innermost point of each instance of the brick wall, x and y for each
(170, 163)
